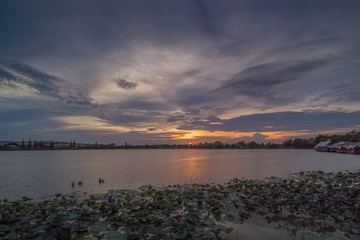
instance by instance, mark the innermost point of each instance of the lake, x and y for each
(38, 174)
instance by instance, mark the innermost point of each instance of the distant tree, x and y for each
(41, 144)
(287, 143)
(242, 144)
(23, 144)
(272, 145)
(253, 145)
(36, 145)
(29, 145)
(218, 145)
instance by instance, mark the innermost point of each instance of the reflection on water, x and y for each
(41, 173)
(190, 168)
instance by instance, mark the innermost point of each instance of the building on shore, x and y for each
(340, 147)
(354, 147)
(336, 147)
(323, 146)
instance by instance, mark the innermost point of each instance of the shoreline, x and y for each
(314, 202)
(82, 149)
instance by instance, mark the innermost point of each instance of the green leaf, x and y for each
(228, 230)
(180, 235)
(217, 217)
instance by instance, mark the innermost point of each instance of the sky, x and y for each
(178, 71)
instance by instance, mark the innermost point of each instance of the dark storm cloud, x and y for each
(256, 81)
(13, 72)
(282, 121)
(124, 84)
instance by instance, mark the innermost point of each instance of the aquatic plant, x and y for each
(305, 203)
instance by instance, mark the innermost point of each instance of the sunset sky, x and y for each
(174, 71)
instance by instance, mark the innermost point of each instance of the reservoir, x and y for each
(38, 174)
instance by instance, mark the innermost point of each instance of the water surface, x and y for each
(42, 173)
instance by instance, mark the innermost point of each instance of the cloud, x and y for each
(13, 73)
(281, 121)
(344, 92)
(306, 46)
(261, 81)
(193, 115)
(188, 64)
(127, 85)
(257, 137)
(6, 100)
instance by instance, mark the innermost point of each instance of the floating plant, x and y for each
(308, 202)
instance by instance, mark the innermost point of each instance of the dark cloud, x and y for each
(260, 77)
(124, 84)
(262, 81)
(282, 121)
(306, 46)
(139, 104)
(259, 55)
(343, 92)
(205, 19)
(12, 72)
(26, 123)
(6, 100)
(118, 115)
(196, 116)
(190, 99)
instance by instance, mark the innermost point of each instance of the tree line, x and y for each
(297, 143)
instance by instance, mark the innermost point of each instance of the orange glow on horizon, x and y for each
(89, 123)
(195, 134)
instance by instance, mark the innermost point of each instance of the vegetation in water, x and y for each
(316, 202)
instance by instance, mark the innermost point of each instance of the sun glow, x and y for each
(195, 134)
(90, 123)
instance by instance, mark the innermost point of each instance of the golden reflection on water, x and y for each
(191, 168)
(42, 173)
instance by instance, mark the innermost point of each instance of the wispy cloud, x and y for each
(204, 68)
(262, 81)
(281, 121)
(14, 72)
